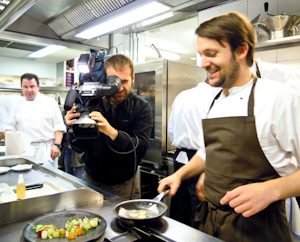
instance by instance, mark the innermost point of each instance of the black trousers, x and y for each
(185, 201)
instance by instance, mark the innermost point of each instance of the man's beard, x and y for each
(229, 75)
(116, 100)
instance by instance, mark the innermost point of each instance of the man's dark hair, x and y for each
(233, 28)
(30, 76)
(119, 62)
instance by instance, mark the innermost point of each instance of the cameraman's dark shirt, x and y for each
(103, 164)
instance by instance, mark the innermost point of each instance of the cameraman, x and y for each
(111, 160)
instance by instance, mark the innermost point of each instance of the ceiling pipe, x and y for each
(13, 11)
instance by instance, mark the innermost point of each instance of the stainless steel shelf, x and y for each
(278, 43)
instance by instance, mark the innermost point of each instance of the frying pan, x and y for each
(153, 207)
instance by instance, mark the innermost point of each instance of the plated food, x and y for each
(63, 220)
(141, 214)
(4, 169)
(22, 167)
(73, 228)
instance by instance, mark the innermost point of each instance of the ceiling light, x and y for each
(46, 51)
(1, 7)
(6, 2)
(125, 19)
(157, 19)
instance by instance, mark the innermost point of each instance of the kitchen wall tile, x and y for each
(266, 55)
(292, 63)
(289, 53)
(288, 7)
(256, 7)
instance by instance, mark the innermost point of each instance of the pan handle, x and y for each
(160, 196)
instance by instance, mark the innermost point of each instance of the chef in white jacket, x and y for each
(185, 132)
(7, 102)
(291, 77)
(38, 117)
(278, 137)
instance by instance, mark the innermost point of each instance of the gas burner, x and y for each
(141, 233)
(159, 224)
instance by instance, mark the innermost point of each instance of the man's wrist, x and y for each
(69, 129)
(58, 145)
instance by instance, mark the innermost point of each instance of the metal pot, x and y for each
(295, 30)
(153, 207)
(261, 33)
(280, 26)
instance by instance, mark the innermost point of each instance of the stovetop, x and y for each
(140, 233)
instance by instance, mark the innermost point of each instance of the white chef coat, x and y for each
(39, 120)
(278, 72)
(185, 123)
(6, 103)
(277, 119)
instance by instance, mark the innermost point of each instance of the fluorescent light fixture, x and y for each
(122, 20)
(47, 51)
(6, 2)
(157, 19)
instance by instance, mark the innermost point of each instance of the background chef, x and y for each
(38, 117)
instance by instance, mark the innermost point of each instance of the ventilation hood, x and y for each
(33, 24)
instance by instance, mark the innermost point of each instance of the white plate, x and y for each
(4, 169)
(23, 167)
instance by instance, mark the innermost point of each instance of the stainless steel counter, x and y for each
(85, 197)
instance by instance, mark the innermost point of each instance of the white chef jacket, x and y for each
(278, 72)
(188, 108)
(185, 122)
(6, 103)
(39, 119)
(277, 120)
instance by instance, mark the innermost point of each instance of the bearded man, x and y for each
(251, 132)
(125, 126)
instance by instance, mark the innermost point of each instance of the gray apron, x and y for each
(234, 158)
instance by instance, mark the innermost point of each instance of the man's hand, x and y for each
(250, 199)
(54, 152)
(200, 187)
(172, 181)
(103, 125)
(70, 117)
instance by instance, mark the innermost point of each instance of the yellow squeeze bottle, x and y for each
(21, 187)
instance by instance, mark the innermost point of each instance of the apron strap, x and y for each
(257, 70)
(251, 98)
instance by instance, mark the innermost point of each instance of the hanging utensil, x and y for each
(255, 20)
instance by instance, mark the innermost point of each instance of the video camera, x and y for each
(87, 93)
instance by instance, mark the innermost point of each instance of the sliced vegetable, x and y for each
(71, 235)
(74, 228)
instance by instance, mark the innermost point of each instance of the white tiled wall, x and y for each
(251, 8)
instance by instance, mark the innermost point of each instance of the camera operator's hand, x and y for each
(70, 117)
(103, 125)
